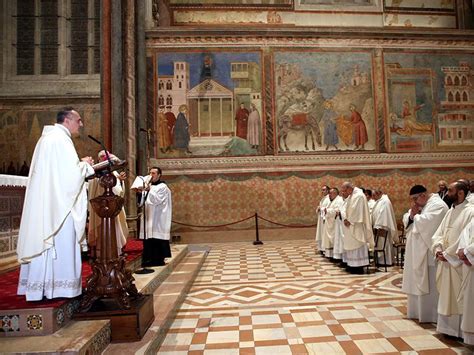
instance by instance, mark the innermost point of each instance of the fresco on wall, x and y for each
(429, 101)
(421, 5)
(21, 129)
(324, 101)
(208, 104)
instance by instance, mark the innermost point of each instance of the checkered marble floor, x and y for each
(283, 298)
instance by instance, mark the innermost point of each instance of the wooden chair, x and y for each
(380, 233)
(400, 246)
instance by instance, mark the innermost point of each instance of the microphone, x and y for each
(103, 147)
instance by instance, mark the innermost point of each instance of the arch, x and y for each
(450, 96)
(458, 97)
(161, 100)
(169, 85)
(465, 97)
(456, 80)
(449, 80)
(464, 81)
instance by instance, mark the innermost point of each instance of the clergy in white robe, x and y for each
(449, 270)
(465, 252)
(320, 217)
(338, 249)
(419, 273)
(383, 217)
(330, 218)
(156, 226)
(54, 214)
(357, 229)
(95, 222)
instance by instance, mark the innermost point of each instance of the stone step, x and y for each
(92, 336)
(86, 337)
(167, 299)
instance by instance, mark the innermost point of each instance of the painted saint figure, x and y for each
(181, 130)
(253, 127)
(359, 130)
(411, 125)
(171, 121)
(163, 131)
(241, 118)
(330, 129)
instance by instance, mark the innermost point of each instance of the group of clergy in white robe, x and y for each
(344, 230)
(439, 274)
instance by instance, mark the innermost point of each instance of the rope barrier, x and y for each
(243, 220)
(213, 226)
(288, 225)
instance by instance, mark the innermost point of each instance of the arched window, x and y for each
(456, 80)
(449, 80)
(161, 100)
(169, 85)
(179, 85)
(458, 97)
(463, 81)
(169, 101)
(450, 96)
(464, 96)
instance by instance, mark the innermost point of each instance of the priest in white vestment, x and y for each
(95, 222)
(54, 214)
(419, 273)
(465, 252)
(320, 220)
(357, 229)
(449, 270)
(156, 197)
(338, 249)
(330, 217)
(383, 217)
(370, 200)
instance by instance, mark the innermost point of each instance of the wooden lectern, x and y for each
(110, 291)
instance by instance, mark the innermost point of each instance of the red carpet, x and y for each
(9, 283)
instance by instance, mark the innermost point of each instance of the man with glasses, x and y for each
(54, 213)
(419, 275)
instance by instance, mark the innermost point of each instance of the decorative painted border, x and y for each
(229, 4)
(376, 6)
(405, 8)
(326, 162)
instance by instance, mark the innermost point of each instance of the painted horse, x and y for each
(299, 122)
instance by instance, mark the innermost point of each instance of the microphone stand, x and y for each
(144, 270)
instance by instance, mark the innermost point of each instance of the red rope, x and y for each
(288, 225)
(214, 226)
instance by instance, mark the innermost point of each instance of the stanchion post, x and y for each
(257, 241)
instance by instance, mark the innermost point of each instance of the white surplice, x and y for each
(383, 217)
(466, 296)
(320, 221)
(330, 225)
(419, 273)
(358, 236)
(158, 210)
(449, 273)
(53, 219)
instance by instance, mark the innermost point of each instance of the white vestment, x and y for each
(329, 229)
(449, 273)
(53, 219)
(371, 203)
(338, 249)
(466, 296)
(419, 273)
(470, 197)
(383, 217)
(358, 236)
(121, 228)
(158, 211)
(320, 226)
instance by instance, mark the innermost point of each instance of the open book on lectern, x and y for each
(141, 182)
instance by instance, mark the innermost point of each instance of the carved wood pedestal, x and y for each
(110, 292)
(126, 324)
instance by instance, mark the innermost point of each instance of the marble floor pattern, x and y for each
(283, 298)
